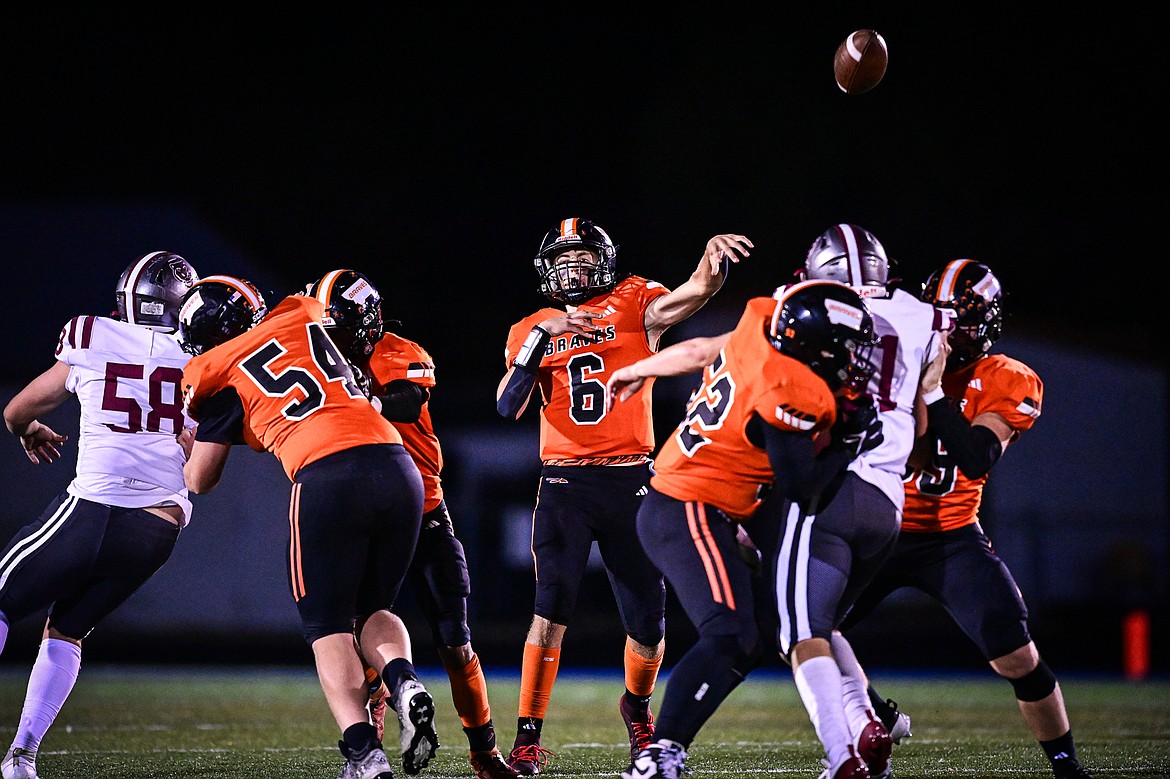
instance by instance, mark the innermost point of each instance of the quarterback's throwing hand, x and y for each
(728, 246)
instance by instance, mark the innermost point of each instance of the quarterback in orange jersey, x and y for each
(596, 460)
(976, 408)
(277, 381)
(770, 389)
(401, 375)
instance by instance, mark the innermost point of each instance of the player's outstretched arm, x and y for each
(40, 396)
(689, 297)
(678, 359)
(205, 465)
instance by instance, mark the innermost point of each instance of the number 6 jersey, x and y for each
(297, 393)
(575, 428)
(128, 380)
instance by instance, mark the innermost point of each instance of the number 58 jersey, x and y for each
(299, 397)
(128, 381)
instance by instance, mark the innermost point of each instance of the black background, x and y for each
(432, 149)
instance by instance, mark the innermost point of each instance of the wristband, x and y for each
(532, 351)
(933, 395)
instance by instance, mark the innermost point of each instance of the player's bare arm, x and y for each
(930, 382)
(205, 465)
(708, 277)
(515, 389)
(40, 396)
(678, 359)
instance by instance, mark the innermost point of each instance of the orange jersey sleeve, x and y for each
(940, 497)
(709, 457)
(299, 397)
(574, 423)
(396, 358)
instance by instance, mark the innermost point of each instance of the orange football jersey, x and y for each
(300, 400)
(574, 423)
(941, 497)
(396, 358)
(709, 458)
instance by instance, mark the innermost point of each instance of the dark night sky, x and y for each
(434, 151)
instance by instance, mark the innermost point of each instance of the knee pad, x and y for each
(1036, 685)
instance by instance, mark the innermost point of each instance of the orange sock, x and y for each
(469, 693)
(641, 672)
(537, 675)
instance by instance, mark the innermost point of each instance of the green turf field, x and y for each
(134, 723)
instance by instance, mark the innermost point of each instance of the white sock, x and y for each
(819, 683)
(853, 686)
(49, 684)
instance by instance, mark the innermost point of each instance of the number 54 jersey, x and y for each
(298, 393)
(128, 381)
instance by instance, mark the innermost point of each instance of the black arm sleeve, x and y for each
(516, 393)
(403, 400)
(221, 418)
(801, 475)
(973, 448)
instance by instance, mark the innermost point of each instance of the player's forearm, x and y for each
(678, 359)
(685, 300)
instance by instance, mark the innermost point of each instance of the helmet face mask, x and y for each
(577, 262)
(151, 289)
(851, 255)
(217, 309)
(353, 312)
(974, 296)
(825, 325)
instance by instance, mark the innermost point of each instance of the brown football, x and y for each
(860, 62)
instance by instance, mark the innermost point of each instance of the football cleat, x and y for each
(491, 765)
(874, 747)
(19, 763)
(528, 757)
(416, 720)
(663, 758)
(372, 765)
(1069, 768)
(853, 768)
(901, 727)
(639, 725)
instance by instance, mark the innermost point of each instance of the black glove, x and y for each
(858, 427)
(361, 380)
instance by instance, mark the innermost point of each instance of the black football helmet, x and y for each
(151, 289)
(851, 255)
(974, 296)
(575, 281)
(827, 326)
(216, 309)
(353, 312)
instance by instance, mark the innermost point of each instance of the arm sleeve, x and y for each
(221, 418)
(801, 474)
(403, 401)
(516, 393)
(973, 448)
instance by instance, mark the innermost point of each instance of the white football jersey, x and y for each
(128, 380)
(905, 328)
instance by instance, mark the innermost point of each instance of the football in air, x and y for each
(860, 62)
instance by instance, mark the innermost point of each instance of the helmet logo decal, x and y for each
(843, 314)
(151, 308)
(359, 292)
